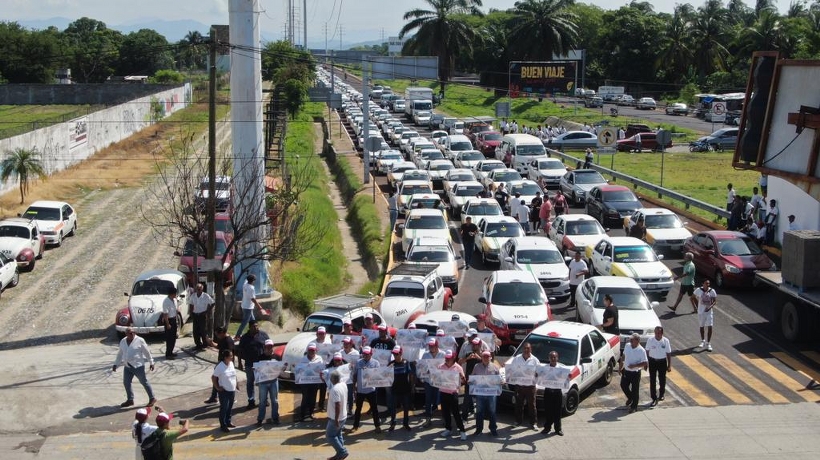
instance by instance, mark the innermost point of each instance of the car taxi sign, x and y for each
(607, 137)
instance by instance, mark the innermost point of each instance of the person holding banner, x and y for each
(322, 337)
(526, 393)
(365, 393)
(449, 398)
(469, 356)
(431, 396)
(347, 327)
(350, 355)
(554, 401)
(267, 388)
(404, 380)
(309, 390)
(485, 404)
(482, 328)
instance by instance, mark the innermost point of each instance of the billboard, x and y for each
(542, 78)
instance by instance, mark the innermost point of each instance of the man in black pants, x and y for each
(169, 319)
(468, 231)
(659, 351)
(553, 402)
(364, 393)
(632, 361)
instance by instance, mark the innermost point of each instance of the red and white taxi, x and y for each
(591, 356)
(20, 240)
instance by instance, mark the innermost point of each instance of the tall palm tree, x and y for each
(710, 33)
(22, 163)
(543, 29)
(441, 32)
(675, 55)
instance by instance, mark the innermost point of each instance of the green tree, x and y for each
(710, 33)
(192, 51)
(442, 31)
(94, 50)
(144, 52)
(294, 92)
(26, 55)
(675, 54)
(167, 77)
(547, 23)
(281, 62)
(23, 164)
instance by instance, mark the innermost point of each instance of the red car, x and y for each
(487, 141)
(648, 142)
(186, 260)
(730, 258)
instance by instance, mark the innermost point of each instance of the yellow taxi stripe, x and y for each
(755, 383)
(797, 365)
(689, 388)
(763, 365)
(713, 379)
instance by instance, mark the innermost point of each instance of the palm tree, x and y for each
(543, 29)
(710, 33)
(22, 163)
(441, 32)
(674, 52)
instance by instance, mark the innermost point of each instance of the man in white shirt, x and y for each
(707, 297)
(553, 400)
(169, 319)
(249, 302)
(337, 415)
(759, 204)
(133, 354)
(577, 271)
(730, 197)
(526, 393)
(659, 352)
(200, 304)
(792, 224)
(632, 361)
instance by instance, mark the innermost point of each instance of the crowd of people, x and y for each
(547, 132)
(756, 215)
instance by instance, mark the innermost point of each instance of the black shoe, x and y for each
(251, 405)
(231, 425)
(378, 430)
(559, 432)
(259, 423)
(545, 431)
(660, 399)
(654, 402)
(170, 357)
(633, 409)
(392, 427)
(494, 433)
(225, 429)
(628, 402)
(477, 432)
(128, 403)
(274, 421)
(407, 427)
(210, 401)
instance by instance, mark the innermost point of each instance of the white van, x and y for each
(519, 150)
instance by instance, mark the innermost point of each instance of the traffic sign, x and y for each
(719, 108)
(607, 136)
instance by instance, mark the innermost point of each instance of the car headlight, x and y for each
(123, 320)
(492, 250)
(566, 278)
(732, 269)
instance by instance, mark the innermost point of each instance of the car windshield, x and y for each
(431, 155)
(417, 222)
(403, 168)
(152, 287)
(492, 137)
(739, 247)
(523, 294)
(217, 186)
(459, 146)
(416, 174)
(14, 231)
(529, 150)
(223, 225)
(621, 195)
(492, 166)
(188, 250)
(471, 156)
(592, 177)
(430, 203)
(456, 177)
(526, 189)
(632, 254)
(546, 164)
(623, 298)
(469, 190)
(484, 209)
(391, 156)
(540, 256)
(430, 254)
(423, 105)
(403, 290)
(332, 324)
(506, 176)
(542, 345)
(589, 227)
(663, 221)
(505, 229)
(412, 189)
(409, 134)
(39, 213)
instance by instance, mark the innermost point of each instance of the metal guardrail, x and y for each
(686, 200)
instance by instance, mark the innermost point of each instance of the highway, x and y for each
(751, 363)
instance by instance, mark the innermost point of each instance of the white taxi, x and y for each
(431, 250)
(55, 219)
(575, 232)
(423, 222)
(20, 239)
(633, 258)
(408, 189)
(515, 304)
(664, 230)
(636, 314)
(539, 256)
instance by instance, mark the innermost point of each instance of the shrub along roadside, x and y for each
(321, 271)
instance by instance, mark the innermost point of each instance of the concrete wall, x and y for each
(65, 144)
(792, 200)
(77, 94)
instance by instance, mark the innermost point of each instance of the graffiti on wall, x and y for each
(78, 132)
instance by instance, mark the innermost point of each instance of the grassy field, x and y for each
(18, 119)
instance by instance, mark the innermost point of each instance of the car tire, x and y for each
(449, 305)
(592, 271)
(15, 279)
(73, 231)
(571, 401)
(180, 323)
(30, 266)
(719, 280)
(59, 240)
(574, 200)
(606, 378)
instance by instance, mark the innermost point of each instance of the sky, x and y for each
(359, 20)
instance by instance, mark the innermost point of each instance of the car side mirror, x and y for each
(655, 304)
(482, 299)
(125, 294)
(586, 360)
(660, 257)
(177, 254)
(586, 303)
(608, 259)
(508, 259)
(431, 297)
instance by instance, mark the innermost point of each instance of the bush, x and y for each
(166, 77)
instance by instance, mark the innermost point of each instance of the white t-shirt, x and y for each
(226, 375)
(169, 307)
(658, 349)
(576, 267)
(338, 393)
(248, 293)
(730, 196)
(200, 302)
(757, 200)
(705, 299)
(633, 357)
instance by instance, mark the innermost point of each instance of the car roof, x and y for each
(430, 241)
(495, 219)
(724, 234)
(425, 212)
(482, 201)
(510, 276)
(584, 171)
(415, 182)
(533, 242)
(48, 204)
(576, 217)
(162, 273)
(612, 188)
(565, 329)
(663, 211)
(615, 281)
(19, 221)
(625, 241)
(466, 183)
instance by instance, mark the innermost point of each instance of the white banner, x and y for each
(265, 371)
(326, 350)
(368, 336)
(423, 367)
(447, 343)
(518, 374)
(553, 377)
(357, 340)
(485, 385)
(307, 373)
(344, 372)
(488, 338)
(453, 328)
(377, 377)
(445, 379)
(410, 336)
(382, 356)
(413, 351)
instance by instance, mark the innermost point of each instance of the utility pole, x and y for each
(304, 23)
(366, 124)
(341, 29)
(210, 219)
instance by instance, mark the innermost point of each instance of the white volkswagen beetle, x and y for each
(144, 311)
